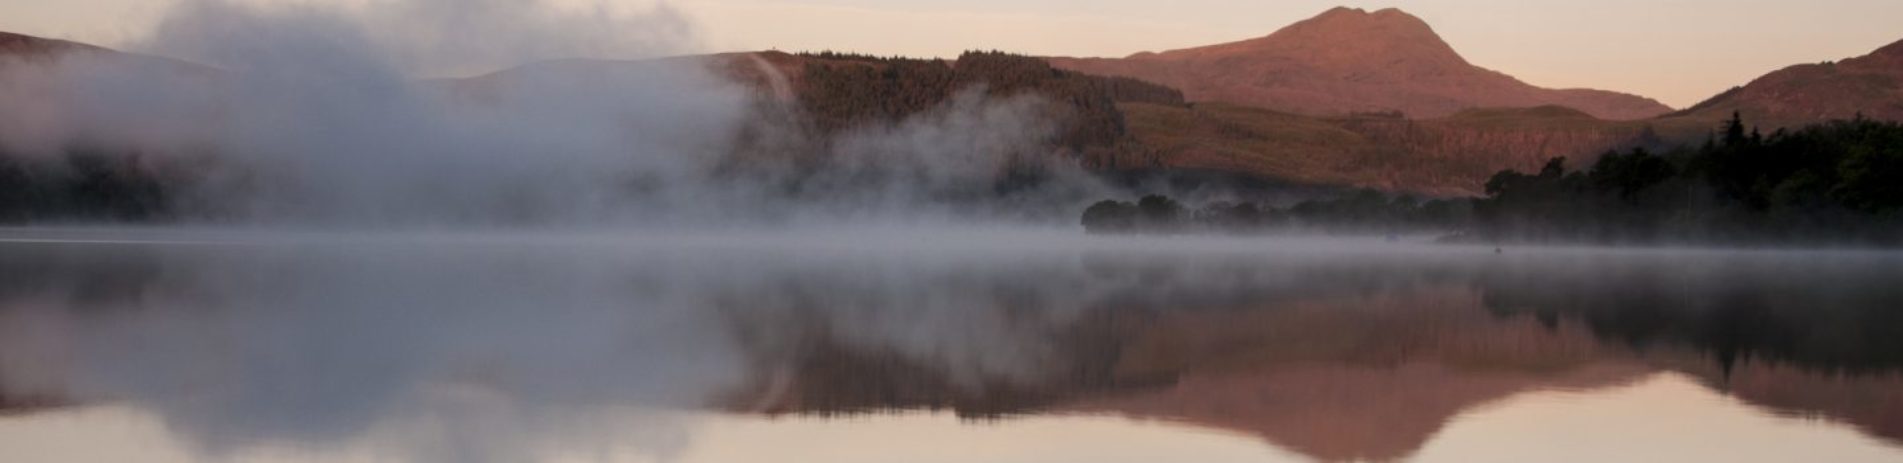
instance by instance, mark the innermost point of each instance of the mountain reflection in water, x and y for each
(514, 348)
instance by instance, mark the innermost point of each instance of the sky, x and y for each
(1677, 51)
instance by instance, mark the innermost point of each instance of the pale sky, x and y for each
(1678, 51)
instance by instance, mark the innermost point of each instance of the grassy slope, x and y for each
(1240, 139)
(1449, 156)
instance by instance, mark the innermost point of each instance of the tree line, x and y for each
(1837, 182)
(1362, 211)
(1840, 181)
(83, 185)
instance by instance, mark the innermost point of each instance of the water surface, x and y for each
(894, 344)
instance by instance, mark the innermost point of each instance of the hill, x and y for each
(820, 95)
(27, 46)
(1450, 156)
(1115, 125)
(1348, 61)
(1870, 85)
(1348, 99)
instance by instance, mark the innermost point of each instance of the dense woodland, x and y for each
(82, 185)
(1840, 181)
(1837, 181)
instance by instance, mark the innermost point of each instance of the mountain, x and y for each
(27, 49)
(17, 45)
(1312, 105)
(1871, 85)
(820, 95)
(1449, 156)
(1352, 61)
(1119, 126)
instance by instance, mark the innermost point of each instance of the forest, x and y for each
(1363, 211)
(83, 185)
(1840, 181)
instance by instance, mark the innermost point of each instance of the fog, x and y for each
(504, 346)
(341, 116)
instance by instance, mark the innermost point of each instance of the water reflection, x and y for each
(516, 348)
(1665, 417)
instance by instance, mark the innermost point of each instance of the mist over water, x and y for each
(330, 116)
(510, 347)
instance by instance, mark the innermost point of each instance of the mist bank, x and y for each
(323, 116)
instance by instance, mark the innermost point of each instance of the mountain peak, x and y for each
(1384, 13)
(1363, 32)
(1349, 60)
(1356, 18)
(1342, 11)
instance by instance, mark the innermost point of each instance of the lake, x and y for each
(896, 344)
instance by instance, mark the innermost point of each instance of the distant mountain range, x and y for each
(1349, 98)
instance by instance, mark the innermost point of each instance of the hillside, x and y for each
(1421, 121)
(820, 95)
(1871, 85)
(1150, 129)
(1349, 61)
(1450, 156)
(26, 46)
(1115, 125)
(1122, 125)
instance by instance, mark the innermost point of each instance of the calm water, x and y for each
(895, 345)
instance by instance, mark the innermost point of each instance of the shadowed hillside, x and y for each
(1450, 156)
(1870, 85)
(842, 92)
(30, 47)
